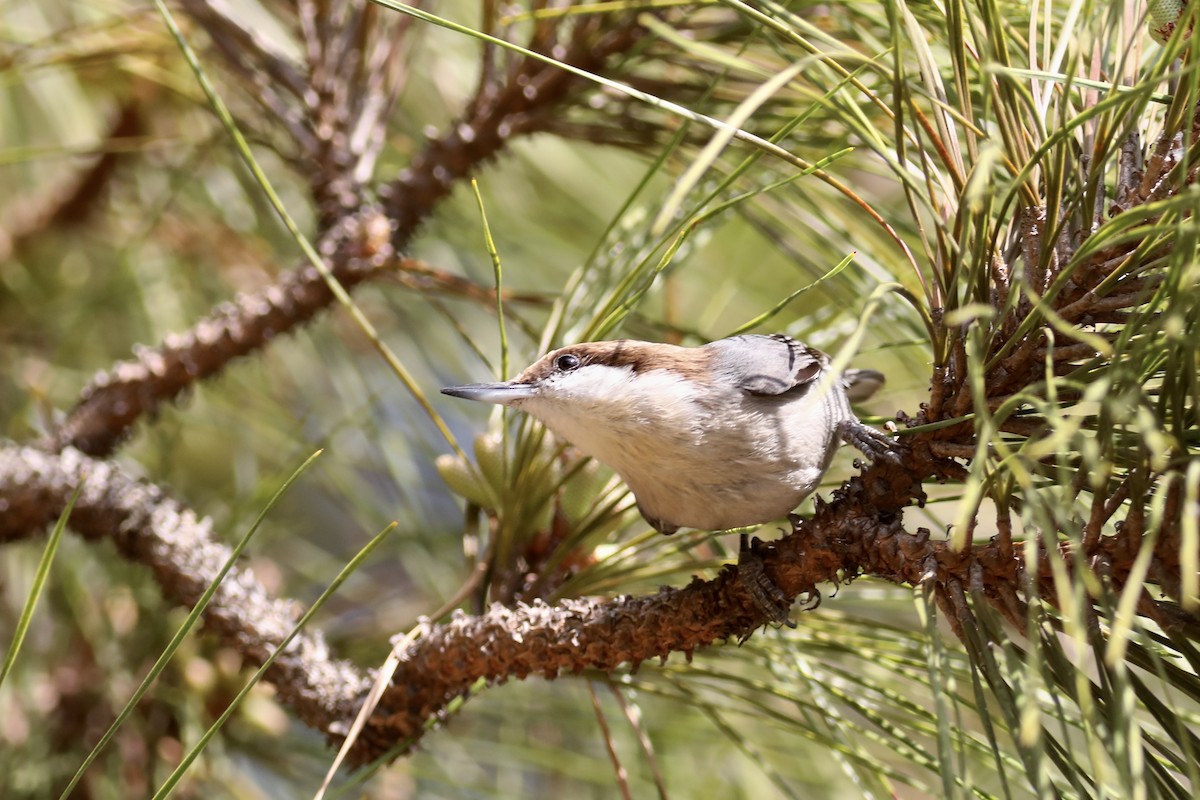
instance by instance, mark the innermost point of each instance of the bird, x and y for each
(730, 434)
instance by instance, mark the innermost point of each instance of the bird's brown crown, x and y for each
(692, 362)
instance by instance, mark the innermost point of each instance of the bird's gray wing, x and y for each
(766, 364)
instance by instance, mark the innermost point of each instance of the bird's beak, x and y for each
(499, 393)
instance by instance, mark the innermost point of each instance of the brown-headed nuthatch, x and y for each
(727, 435)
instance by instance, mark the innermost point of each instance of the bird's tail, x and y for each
(861, 383)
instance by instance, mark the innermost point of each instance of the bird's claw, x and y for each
(769, 598)
(875, 445)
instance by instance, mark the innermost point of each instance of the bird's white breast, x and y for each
(698, 456)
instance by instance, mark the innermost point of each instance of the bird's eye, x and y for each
(566, 362)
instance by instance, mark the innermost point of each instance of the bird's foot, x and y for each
(875, 445)
(769, 598)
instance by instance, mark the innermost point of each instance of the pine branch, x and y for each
(859, 532)
(115, 400)
(355, 244)
(177, 545)
(76, 198)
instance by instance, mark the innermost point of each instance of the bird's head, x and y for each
(594, 380)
